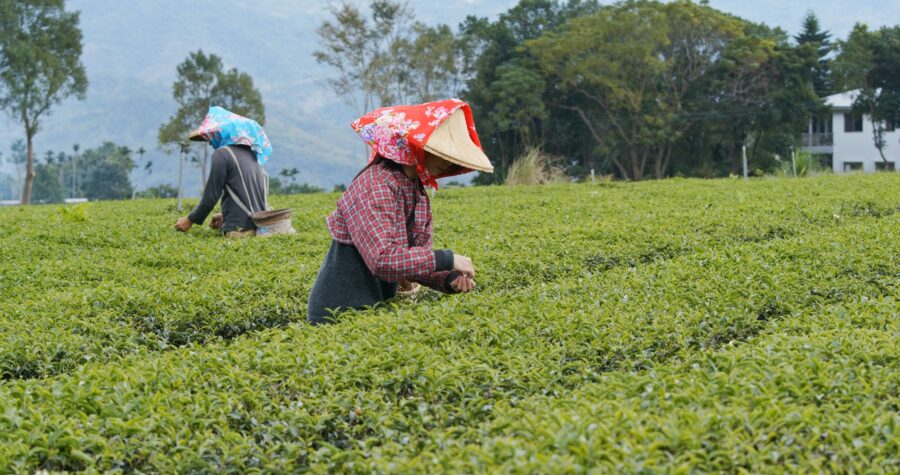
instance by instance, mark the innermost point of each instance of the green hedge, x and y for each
(675, 326)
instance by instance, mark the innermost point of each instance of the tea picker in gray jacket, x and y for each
(236, 174)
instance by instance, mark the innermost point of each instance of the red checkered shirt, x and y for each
(387, 217)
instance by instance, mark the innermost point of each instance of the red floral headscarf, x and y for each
(400, 133)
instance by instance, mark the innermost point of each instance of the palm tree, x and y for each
(148, 167)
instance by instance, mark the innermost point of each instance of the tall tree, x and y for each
(886, 75)
(364, 48)
(854, 60)
(202, 82)
(105, 172)
(18, 157)
(47, 188)
(812, 34)
(148, 165)
(871, 61)
(761, 94)
(433, 65)
(640, 71)
(517, 96)
(698, 36)
(7, 186)
(515, 101)
(40, 65)
(383, 56)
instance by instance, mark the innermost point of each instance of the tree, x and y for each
(7, 183)
(364, 52)
(697, 38)
(18, 157)
(289, 173)
(821, 41)
(762, 93)
(514, 100)
(289, 185)
(870, 61)
(148, 165)
(62, 159)
(7, 186)
(41, 65)
(202, 82)
(854, 60)
(648, 79)
(885, 76)
(611, 60)
(620, 63)
(105, 172)
(383, 56)
(276, 187)
(161, 191)
(47, 188)
(434, 68)
(518, 102)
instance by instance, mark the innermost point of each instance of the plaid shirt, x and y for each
(387, 217)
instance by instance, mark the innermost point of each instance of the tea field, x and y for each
(669, 327)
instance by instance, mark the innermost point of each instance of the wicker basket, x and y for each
(271, 222)
(407, 290)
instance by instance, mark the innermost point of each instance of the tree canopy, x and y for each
(202, 82)
(40, 65)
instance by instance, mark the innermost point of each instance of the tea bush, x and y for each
(672, 326)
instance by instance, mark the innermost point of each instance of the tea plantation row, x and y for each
(90, 284)
(675, 326)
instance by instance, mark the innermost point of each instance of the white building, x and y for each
(847, 138)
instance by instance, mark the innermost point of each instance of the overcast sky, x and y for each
(837, 16)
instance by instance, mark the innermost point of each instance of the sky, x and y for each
(838, 17)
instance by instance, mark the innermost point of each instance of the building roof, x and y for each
(843, 100)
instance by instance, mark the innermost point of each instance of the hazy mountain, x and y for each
(132, 48)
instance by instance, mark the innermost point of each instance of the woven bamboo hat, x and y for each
(405, 134)
(452, 142)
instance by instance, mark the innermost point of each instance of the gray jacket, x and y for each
(224, 172)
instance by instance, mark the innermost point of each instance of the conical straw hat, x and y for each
(452, 142)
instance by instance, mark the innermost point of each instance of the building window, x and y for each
(890, 126)
(821, 125)
(881, 166)
(853, 166)
(853, 123)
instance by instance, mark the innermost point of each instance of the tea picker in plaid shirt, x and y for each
(382, 230)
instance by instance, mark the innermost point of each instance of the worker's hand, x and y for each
(463, 284)
(183, 224)
(463, 265)
(217, 221)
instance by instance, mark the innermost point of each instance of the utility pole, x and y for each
(744, 155)
(75, 170)
(794, 161)
(184, 147)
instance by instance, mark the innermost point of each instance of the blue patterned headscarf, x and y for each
(221, 128)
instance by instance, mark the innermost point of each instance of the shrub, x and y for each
(807, 163)
(682, 325)
(535, 168)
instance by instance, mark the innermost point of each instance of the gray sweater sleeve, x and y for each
(215, 186)
(443, 259)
